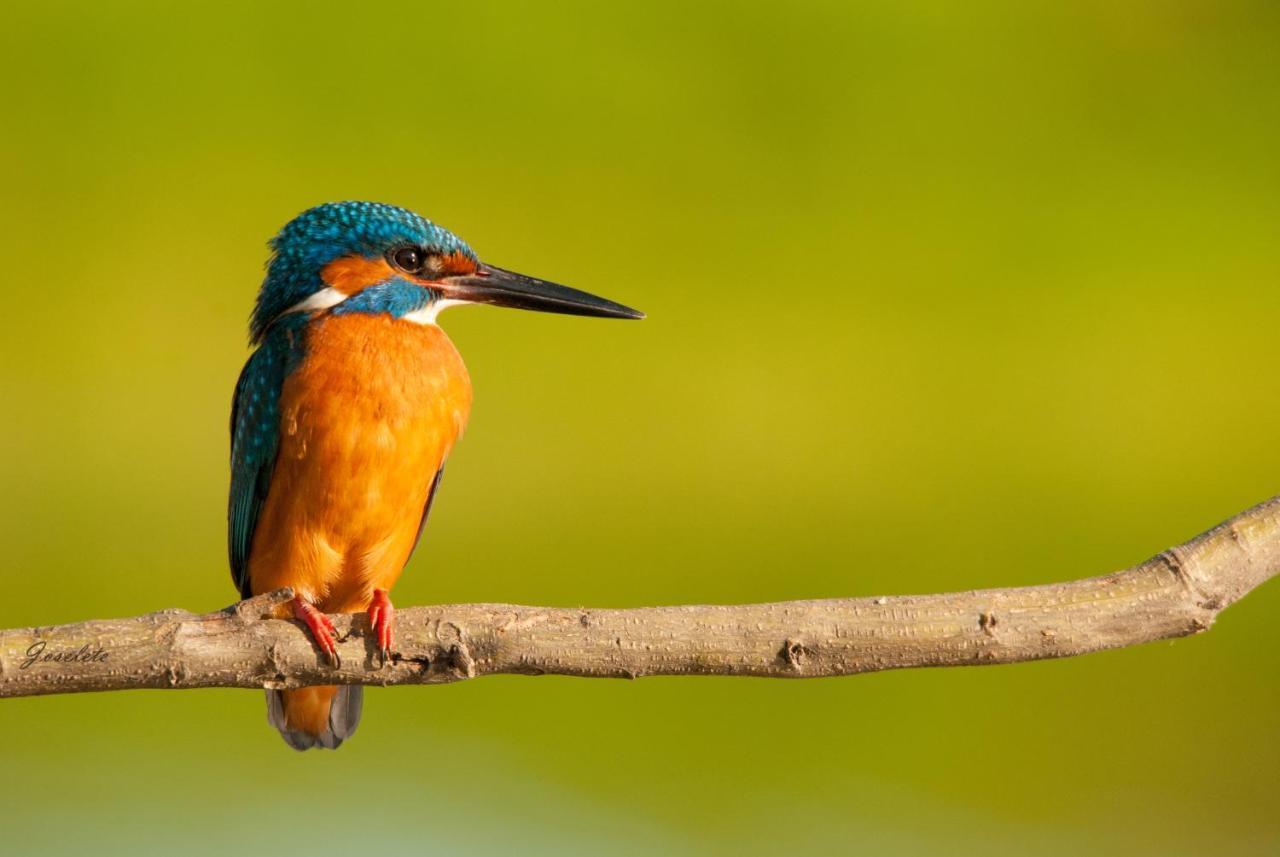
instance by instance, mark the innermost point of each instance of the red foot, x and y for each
(382, 618)
(322, 630)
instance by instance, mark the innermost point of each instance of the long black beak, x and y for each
(491, 285)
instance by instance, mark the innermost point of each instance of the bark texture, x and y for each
(1176, 593)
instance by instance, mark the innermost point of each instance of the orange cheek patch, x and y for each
(452, 265)
(351, 274)
(457, 263)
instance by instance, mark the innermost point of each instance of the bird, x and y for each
(343, 417)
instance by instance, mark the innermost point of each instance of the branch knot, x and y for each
(794, 653)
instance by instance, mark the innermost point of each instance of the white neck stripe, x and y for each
(323, 299)
(330, 297)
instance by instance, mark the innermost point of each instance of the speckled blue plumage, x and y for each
(327, 232)
(255, 435)
(395, 297)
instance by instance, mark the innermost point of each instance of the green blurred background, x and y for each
(940, 296)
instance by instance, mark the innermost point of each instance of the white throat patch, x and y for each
(329, 297)
(427, 315)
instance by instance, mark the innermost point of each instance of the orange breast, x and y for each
(366, 421)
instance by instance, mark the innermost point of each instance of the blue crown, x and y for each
(327, 232)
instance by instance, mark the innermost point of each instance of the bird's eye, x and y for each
(408, 259)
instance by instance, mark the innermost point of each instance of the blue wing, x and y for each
(255, 437)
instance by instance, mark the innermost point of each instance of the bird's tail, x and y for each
(315, 716)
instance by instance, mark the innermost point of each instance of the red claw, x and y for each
(382, 619)
(321, 628)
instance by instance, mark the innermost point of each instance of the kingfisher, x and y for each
(342, 420)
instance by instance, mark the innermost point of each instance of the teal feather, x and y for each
(255, 435)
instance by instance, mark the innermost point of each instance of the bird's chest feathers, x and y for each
(374, 392)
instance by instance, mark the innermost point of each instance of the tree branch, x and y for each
(1176, 593)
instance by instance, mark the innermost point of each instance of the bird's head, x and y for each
(372, 257)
